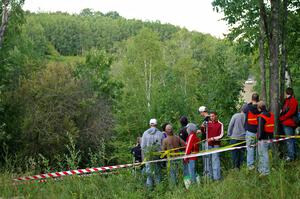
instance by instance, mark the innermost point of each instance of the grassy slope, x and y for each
(282, 183)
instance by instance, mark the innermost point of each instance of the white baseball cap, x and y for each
(202, 109)
(153, 122)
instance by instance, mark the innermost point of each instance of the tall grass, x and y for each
(283, 182)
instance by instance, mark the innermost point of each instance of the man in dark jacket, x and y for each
(265, 132)
(184, 135)
(182, 132)
(137, 151)
(251, 113)
(288, 120)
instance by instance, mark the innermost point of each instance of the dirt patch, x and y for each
(248, 91)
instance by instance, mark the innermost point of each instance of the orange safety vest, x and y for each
(269, 125)
(252, 118)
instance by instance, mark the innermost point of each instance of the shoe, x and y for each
(250, 168)
(262, 175)
(288, 159)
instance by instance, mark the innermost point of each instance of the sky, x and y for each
(195, 15)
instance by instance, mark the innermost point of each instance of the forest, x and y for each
(76, 90)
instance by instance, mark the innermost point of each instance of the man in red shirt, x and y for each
(214, 134)
(287, 118)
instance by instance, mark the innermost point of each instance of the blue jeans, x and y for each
(215, 165)
(263, 157)
(237, 155)
(291, 143)
(250, 140)
(174, 171)
(153, 174)
(185, 169)
(192, 170)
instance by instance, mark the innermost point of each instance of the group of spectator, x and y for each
(253, 126)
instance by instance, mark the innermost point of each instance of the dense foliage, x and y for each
(86, 85)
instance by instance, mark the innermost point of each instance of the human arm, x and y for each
(230, 126)
(260, 127)
(292, 109)
(164, 145)
(181, 142)
(221, 133)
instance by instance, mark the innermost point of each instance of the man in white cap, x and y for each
(204, 128)
(152, 142)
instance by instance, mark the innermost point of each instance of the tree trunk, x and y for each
(283, 50)
(5, 14)
(274, 61)
(262, 51)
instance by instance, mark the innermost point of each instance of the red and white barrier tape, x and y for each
(99, 169)
(74, 172)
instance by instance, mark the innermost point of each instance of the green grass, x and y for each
(283, 182)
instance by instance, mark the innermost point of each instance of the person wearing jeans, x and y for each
(251, 113)
(215, 165)
(250, 143)
(153, 173)
(192, 147)
(172, 142)
(214, 134)
(151, 142)
(236, 132)
(287, 118)
(290, 143)
(265, 132)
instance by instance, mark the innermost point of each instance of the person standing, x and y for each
(265, 132)
(288, 120)
(204, 132)
(214, 134)
(136, 151)
(172, 142)
(184, 135)
(182, 132)
(151, 143)
(192, 146)
(163, 128)
(236, 132)
(251, 113)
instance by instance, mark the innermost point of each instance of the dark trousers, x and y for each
(238, 154)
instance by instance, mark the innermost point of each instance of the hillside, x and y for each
(282, 183)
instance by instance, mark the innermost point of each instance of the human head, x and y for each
(191, 128)
(243, 108)
(183, 120)
(261, 106)
(164, 126)
(169, 129)
(255, 97)
(138, 140)
(289, 92)
(213, 116)
(203, 111)
(153, 122)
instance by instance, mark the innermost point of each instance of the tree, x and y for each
(7, 8)
(241, 14)
(5, 13)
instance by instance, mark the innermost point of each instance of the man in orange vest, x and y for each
(265, 130)
(251, 113)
